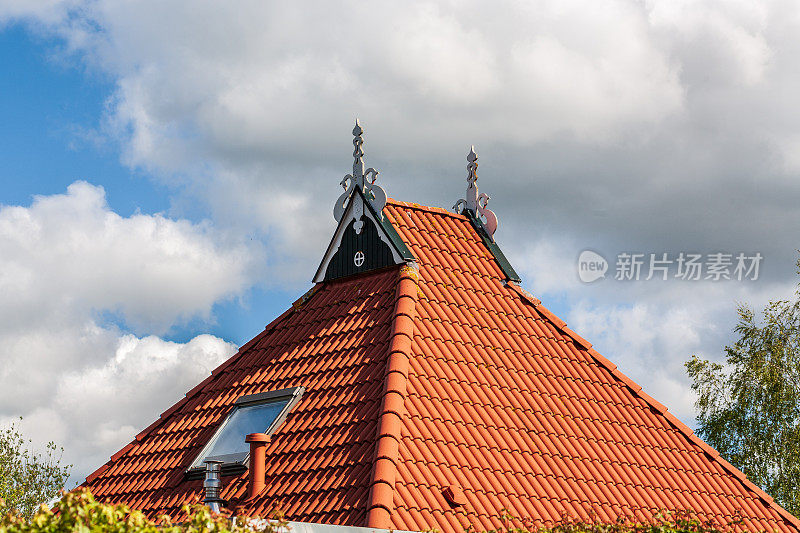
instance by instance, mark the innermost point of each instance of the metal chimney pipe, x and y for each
(258, 446)
(212, 485)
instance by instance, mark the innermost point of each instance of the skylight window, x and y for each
(256, 413)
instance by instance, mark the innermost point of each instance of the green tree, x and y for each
(28, 479)
(749, 409)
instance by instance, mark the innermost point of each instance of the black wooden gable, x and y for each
(359, 252)
(377, 245)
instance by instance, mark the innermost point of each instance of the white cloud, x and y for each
(209, 90)
(658, 111)
(611, 105)
(548, 265)
(95, 409)
(110, 403)
(66, 262)
(72, 250)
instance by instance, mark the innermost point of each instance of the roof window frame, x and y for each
(236, 463)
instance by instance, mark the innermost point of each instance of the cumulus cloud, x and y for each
(95, 409)
(616, 119)
(651, 343)
(150, 269)
(74, 276)
(268, 91)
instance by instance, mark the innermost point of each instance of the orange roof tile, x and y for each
(425, 384)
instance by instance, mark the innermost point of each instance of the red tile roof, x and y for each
(438, 398)
(335, 345)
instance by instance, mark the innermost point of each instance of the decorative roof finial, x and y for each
(472, 165)
(364, 180)
(476, 203)
(358, 155)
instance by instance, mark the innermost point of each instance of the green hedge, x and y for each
(79, 512)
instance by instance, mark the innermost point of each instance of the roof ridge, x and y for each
(384, 470)
(657, 406)
(420, 207)
(477, 226)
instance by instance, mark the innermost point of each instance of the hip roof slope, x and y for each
(507, 403)
(332, 342)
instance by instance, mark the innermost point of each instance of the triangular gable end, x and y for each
(363, 241)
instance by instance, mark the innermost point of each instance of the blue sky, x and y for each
(52, 108)
(168, 173)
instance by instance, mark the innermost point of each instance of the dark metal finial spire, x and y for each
(358, 154)
(472, 166)
(475, 202)
(361, 178)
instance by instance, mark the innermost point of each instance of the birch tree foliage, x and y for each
(749, 408)
(27, 478)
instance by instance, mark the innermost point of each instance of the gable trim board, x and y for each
(492, 246)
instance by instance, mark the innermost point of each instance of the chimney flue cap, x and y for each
(257, 437)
